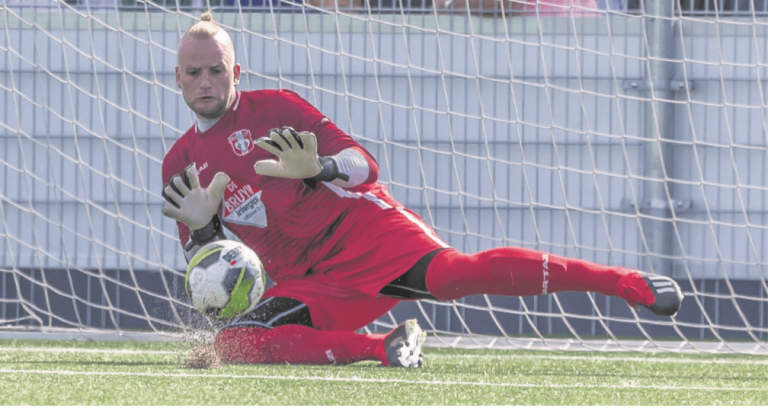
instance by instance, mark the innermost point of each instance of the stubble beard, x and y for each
(212, 113)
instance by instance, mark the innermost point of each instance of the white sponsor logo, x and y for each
(241, 142)
(244, 206)
(329, 354)
(201, 168)
(545, 272)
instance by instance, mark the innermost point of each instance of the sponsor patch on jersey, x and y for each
(241, 142)
(242, 205)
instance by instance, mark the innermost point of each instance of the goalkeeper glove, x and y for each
(296, 154)
(297, 158)
(186, 201)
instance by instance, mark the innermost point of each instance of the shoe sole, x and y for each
(412, 334)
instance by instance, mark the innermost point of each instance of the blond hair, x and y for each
(206, 29)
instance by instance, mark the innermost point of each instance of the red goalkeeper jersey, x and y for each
(290, 226)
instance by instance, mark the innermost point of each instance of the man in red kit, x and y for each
(304, 196)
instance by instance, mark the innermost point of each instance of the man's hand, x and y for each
(191, 204)
(296, 153)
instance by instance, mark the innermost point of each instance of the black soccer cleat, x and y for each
(404, 345)
(659, 294)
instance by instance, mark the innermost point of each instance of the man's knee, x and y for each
(239, 345)
(273, 312)
(257, 345)
(413, 283)
(244, 339)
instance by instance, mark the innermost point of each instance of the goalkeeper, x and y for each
(304, 196)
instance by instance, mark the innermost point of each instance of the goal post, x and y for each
(624, 133)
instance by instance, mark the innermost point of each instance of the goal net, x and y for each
(631, 133)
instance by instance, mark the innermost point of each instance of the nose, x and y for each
(205, 81)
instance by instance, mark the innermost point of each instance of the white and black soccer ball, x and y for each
(225, 280)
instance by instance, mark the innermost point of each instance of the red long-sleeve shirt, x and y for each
(290, 226)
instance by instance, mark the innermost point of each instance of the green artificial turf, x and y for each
(119, 373)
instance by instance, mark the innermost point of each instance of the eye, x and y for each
(193, 72)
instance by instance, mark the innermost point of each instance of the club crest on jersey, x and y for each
(241, 142)
(242, 205)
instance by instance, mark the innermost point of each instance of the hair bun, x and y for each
(206, 17)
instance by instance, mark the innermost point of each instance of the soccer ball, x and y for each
(225, 280)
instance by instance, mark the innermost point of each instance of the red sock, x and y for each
(516, 272)
(296, 344)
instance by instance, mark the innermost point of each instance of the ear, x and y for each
(236, 74)
(178, 77)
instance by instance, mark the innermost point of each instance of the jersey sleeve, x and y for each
(172, 165)
(331, 140)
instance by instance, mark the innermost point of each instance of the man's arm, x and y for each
(297, 158)
(319, 152)
(350, 168)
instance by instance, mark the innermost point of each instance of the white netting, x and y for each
(620, 132)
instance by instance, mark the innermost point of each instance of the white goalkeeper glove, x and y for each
(296, 153)
(297, 158)
(188, 202)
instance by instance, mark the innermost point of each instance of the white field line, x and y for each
(599, 358)
(373, 380)
(85, 350)
(428, 356)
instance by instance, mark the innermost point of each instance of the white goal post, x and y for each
(624, 132)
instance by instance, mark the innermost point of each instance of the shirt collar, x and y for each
(209, 123)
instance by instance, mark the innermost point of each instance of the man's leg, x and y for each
(294, 344)
(280, 330)
(315, 330)
(448, 274)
